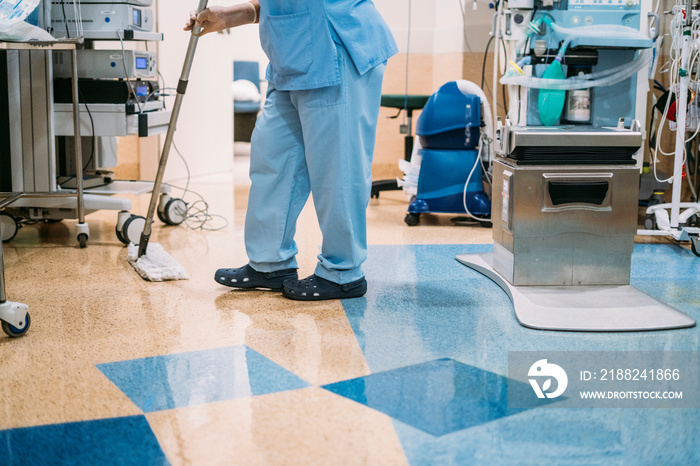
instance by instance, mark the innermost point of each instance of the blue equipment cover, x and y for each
(443, 174)
(450, 119)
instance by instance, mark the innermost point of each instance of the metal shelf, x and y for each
(60, 44)
(126, 35)
(126, 187)
(113, 120)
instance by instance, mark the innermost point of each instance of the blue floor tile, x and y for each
(438, 397)
(119, 441)
(566, 436)
(422, 305)
(187, 379)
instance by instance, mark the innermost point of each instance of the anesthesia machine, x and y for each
(566, 175)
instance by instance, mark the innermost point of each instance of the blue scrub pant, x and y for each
(317, 141)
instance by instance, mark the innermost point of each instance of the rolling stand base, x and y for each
(582, 308)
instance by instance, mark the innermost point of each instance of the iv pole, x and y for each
(675, 225)
(681, 117)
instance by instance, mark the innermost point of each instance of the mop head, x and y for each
(156, 265)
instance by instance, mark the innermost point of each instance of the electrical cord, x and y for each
(689, 151)
(165, 106)
(483, 65)
(80, 96)
(162, 79)
(197, 216)
(408, 54)
(77, 14)
(497, 34)
(126, 73)
(65, 19)
(484, 85)
(92, 145)
(158, 93)
(503, 87)
(464, 28)
(520, 101)
(483, 139)
(487, 170)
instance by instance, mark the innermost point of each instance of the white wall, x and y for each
(205, 127)
(395, 13)
(437, 25)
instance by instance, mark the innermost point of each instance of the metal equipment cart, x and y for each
(28, 162)
(14, 316)
(45, 47)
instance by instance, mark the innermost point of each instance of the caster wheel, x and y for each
(650, 222)
(10, 226)
(412, 219)
(132, 229)
(83, 239)
(119, 235)
(694, 245)
(174, 212)
(13, 331)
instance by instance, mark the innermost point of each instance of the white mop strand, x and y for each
(156, 265)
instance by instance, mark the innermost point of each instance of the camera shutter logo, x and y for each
(542, 369)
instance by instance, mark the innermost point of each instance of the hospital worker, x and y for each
(315, 135)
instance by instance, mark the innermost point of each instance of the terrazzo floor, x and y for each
(117, 370)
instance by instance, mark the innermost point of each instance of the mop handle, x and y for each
(181, 89)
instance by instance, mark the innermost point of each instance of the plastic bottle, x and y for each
(12, 11)
(578, 101)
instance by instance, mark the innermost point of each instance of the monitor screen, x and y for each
(141, 63)
(137, 17)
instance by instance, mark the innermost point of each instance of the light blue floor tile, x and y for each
(423, 305)
(668, 273)
(566, 436)
(438, 397)
(119, 441)
(187, 379)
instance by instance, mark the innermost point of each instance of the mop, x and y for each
(157, 265)
(154, 263)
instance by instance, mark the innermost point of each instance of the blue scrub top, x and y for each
(299, 38)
